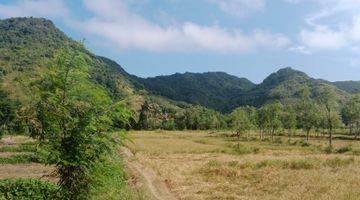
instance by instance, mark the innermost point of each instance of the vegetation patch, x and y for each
(338, 162)
(241, 149)
(25, 147)
(18, 159)
(344, 149)
(35, 189)
(109, 181)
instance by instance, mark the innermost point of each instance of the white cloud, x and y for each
(240, 7)
(334, 26)
(113, 21)
(35, 8)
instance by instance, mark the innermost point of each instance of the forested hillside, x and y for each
(224, 92)
(211, 89)
(27, 45)
(284, 85)
(348, 86)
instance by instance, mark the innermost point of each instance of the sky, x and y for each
(246, 38)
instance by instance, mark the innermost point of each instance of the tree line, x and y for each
(322, 114)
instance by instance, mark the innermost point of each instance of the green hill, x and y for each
(348, 86)
(27, 45)
(284, 85)
(224, 92)
(211, 89)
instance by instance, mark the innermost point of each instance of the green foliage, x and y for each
(270, 116)
(109, 180)
(25, 147)
(7, 114)
(240, 121)
(213, 89)
(348, 86)
(22, 189)
(74, 117)
(19, 159)
(307, 112)
(351, 114)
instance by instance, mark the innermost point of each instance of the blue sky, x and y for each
(246, 38)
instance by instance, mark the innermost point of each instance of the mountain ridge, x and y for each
(26, 44)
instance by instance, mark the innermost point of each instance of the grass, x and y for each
(13, 189)
(109, 181)
(200, 165)
(16, 159)
(24, 147)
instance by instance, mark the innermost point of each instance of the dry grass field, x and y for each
(204, 165)
(12, 164)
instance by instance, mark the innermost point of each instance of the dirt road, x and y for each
(156, 187)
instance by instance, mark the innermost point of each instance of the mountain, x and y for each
(27, 45)
(211, 89)
(225, 92)
(348, 86)
(284, 85)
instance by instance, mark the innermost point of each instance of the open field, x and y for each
(200, 165)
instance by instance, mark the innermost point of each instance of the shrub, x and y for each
(301, 164)
(278, 140)
(344, 149)
(28, 189)
(304, 143)
(328, 149)
(338, 162)
(240, 149)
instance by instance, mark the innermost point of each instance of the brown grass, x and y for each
(198, 165)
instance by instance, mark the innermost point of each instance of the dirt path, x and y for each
(154, 184)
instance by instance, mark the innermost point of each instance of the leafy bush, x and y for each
(328, 149)
(304, 143)
(28, 189)
(344, 149)
(109, 180)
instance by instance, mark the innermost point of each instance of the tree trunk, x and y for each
(330, 137)
(307, 135)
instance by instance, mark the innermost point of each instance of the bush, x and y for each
(328, 149)
(304, 143)
(338, 162)
(109, 180)
(344, 149)
(28, 189)
(278, 140)
(244, 149)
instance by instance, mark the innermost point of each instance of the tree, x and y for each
(351, 114)
(288, 119)
(261, 121)
(7, 113)
(326, 98)
(75, 116)
(240, 122)
(272, 117)
(306, 112)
